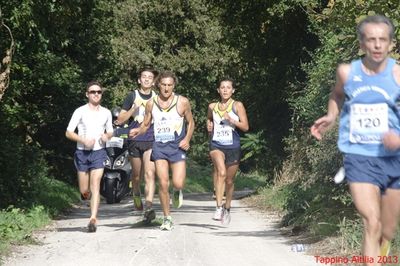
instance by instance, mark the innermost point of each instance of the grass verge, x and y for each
(17, 224)
(199, 179)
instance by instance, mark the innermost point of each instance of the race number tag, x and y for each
(115, 142)
(164, 131)
(223, 134)
(368, 122)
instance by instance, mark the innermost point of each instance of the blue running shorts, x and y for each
(169, 151)
(86, 160)
(383, 172)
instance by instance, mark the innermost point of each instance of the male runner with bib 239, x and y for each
(173, 129)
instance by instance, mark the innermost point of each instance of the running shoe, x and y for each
(177, 199)
(385, 248)
(92, 227)
(214, 196)
(167, 224)
(149, 215)
(226, 216)
(137, 202)
(217, 214)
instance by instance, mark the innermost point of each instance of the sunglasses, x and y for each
(95, 92)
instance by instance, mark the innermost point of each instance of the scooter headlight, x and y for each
(120, 161)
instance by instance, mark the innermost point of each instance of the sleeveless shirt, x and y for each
(224, 134)
(369, 110)
(168, 123)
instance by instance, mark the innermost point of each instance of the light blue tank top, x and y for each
(369, 110)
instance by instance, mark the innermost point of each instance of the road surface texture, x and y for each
(121, 239)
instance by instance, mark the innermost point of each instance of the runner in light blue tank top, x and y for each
(367, 93)
(369, 111)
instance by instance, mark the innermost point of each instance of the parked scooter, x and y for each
(117, 169)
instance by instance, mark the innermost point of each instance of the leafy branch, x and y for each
(6, 68)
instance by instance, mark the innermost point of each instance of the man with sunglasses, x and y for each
(94, 124)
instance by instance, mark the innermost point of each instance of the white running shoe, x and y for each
(167, 224)
(218, 214)
(226, 217)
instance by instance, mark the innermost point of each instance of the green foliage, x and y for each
(253, 145)
(17, 225)
(350, 231)
(257, 154)
(272, 45)
(200, 179)
(183, 36)
(33, 209)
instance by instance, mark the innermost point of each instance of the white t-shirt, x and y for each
(91, 124)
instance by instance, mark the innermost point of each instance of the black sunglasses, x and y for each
(95, 92)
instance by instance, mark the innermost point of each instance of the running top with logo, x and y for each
(369, 111)
(91, 124)
(225, 135)
(136, 98)
(168, 123)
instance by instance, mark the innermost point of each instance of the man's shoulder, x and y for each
(182, 99)
(212, 105)
(344, 67)
(131, 94)
(82, 108)
(343, 71)
(104, 109)
(396, 66)
(396, 72)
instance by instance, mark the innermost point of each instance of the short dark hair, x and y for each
(91, 83)
(148, 68)
(374, 19)
(166, 74)
(227, 79)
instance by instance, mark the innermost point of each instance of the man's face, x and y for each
(146, 79)
(376, 42)
(166, 86)
(94, 93)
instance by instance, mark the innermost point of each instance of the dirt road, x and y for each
(121, 239)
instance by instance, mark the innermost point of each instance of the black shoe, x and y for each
(92, 227)
(149, 215)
